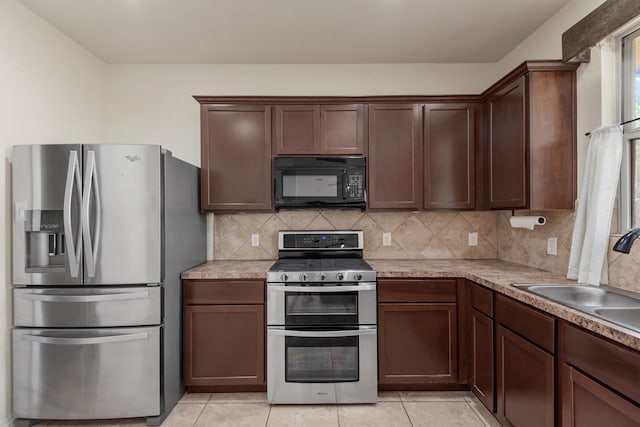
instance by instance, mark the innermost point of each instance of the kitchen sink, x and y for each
(616, 307)
(583, 295)
(625, 316)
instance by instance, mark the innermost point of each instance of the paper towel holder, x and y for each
(526, 221)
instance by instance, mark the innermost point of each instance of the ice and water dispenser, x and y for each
(44, 241)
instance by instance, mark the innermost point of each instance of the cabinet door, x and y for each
(417, 344)
(395, 156)
(297, 129)
(224, 345)
(342, 129)
(585, 402)
(481, 358)
(524, 380)
(449, 156)
(507, 145)
(236, 157)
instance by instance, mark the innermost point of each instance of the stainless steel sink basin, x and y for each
(614, 306)
(582, 295)
(625, 316)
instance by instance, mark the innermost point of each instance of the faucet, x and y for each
(625, 242)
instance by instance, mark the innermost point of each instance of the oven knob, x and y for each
(358, 276)
(284, 277)
(339, 276)
(323, 276)
(303, 277)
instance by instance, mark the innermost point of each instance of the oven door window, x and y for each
(321, 308)
(321, 360)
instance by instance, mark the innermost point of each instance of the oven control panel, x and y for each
(320, 240)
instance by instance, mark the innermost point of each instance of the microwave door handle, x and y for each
(345, 184)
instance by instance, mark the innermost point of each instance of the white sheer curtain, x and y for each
(588, 260)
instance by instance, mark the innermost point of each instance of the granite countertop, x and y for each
(494, 274)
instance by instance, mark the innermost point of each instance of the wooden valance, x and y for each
(605, 19)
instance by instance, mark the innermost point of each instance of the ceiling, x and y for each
(296, 31)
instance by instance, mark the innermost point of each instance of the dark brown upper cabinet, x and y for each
(531, 138)
(236, 157)
(449, 156)
(395, 156)
(319, 129)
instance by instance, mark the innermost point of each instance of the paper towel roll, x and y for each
(527, 221)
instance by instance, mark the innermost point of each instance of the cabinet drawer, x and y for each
(610, 363)
(432, 290)
(203, 292)
(482, 300)
(532, 324)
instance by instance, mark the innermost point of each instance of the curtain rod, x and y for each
(619, 124)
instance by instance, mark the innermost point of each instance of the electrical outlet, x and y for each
(386, 239)
(473, 238)
(255, 239)
(552, 246)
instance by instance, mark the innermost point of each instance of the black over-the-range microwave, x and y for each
(317, 182)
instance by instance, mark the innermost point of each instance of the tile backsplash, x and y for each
(530, 247)
(414, 235)
(424, 235)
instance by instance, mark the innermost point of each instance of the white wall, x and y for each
(154, 103)
(51, 91)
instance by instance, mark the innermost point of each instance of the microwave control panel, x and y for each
(355, 186)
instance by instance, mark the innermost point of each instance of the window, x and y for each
(630, 179)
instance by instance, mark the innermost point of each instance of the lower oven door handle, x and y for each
(322, 334)
(329, 289)
(85, 341)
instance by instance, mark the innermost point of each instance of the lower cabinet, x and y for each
(481, 340)
(224, 335)
(525, 365)
(417, 338)
(597, 380)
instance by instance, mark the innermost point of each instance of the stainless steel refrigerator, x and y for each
(100, 236)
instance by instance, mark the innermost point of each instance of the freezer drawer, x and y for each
(86, 373)
(87, 307)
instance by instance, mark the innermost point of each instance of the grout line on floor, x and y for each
(200, 414)
(406, 412)
(268, 415)
(478, 414)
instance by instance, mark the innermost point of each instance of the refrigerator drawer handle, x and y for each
(84, 341)
(91, 183)
(73, 249)
(87, 298)
(328, 289)
(321, 334)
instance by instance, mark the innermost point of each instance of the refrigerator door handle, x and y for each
(84, 341)
(87, 298)
(74, 249)
(91, 183)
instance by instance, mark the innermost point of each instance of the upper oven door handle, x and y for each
(328, 289)
(363, 330)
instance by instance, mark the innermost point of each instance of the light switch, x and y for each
(473, 238)
(552, 246)
(255, 239)
(386, 239)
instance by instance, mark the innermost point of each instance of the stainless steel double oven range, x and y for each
(321, 320)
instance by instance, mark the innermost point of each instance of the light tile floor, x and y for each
(437, 409)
